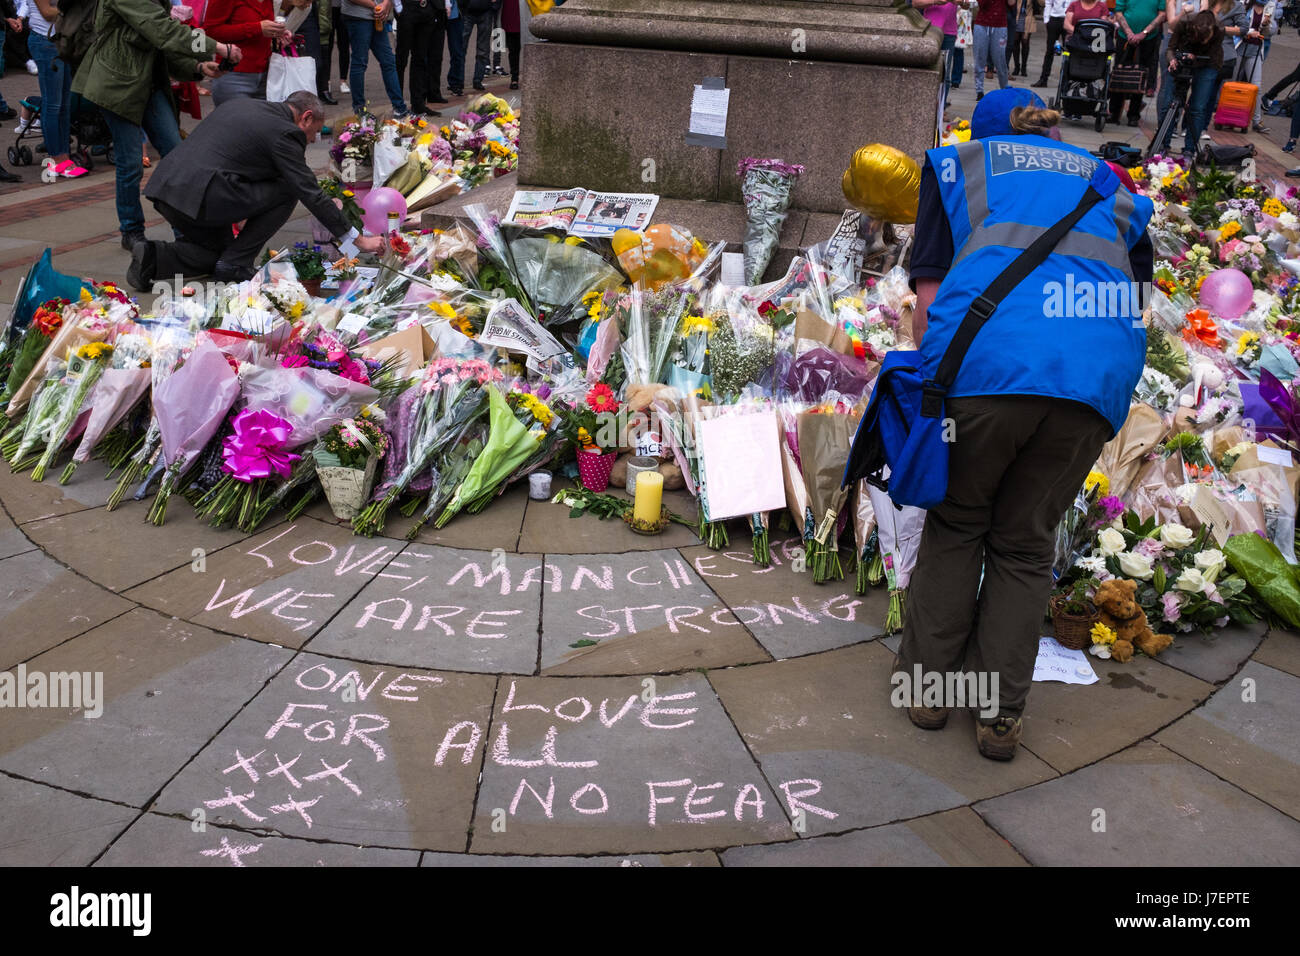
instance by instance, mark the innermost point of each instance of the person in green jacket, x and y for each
(127, 72)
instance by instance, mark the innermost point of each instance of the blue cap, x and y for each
(992, 116)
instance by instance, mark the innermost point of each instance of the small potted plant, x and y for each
(346, 458)
(1074, 614)
(309, 263)
(594, 434)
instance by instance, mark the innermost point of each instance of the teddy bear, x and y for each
(1120, 611)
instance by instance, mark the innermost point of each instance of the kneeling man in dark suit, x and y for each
(246, 161)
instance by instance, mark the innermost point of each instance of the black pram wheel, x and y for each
(1101, 122)
(27, 155)
(14, 158)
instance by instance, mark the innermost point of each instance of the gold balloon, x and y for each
(884, 183)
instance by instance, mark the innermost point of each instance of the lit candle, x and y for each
(649, 497)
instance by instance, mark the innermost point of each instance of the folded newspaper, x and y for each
(581, 212)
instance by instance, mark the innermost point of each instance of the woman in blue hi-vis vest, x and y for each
(1045, 383)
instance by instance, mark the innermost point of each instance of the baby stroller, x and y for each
(1084, 86)
(89, 135)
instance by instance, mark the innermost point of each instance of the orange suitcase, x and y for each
(1236, 106)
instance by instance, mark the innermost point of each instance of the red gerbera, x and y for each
(601, 399)
(398, 244)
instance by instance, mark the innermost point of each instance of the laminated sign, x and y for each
(510, 326)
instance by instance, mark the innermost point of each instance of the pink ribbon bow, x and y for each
(256, 449)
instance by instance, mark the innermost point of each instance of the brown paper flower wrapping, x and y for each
(70, 336)
(347, 489)
(1121, 457)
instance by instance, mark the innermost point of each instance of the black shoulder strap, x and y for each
(983, 307)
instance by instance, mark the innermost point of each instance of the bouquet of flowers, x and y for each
(190, 406)
(120, 389)
(40, 416)
(84, 370)
(766, 187)
(451, 393)
(46, 321)
(825, 434)
(254, 453)
(592, 428)
(514, 435)
(170, 347)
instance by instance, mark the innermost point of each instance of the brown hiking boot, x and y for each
(927, 718)
(998, 740)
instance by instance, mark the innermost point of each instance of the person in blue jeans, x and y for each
(455, 49)
(55, 80)
(1201, 36)
(477, 16)
(364, 39)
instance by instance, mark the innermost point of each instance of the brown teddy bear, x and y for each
(1120, 611)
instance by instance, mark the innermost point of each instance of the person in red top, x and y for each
(991, 42)
(1079, 10)
(251, 24)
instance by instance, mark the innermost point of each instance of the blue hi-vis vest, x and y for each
(1073, 328)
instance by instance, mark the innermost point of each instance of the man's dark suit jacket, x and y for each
(245, 157)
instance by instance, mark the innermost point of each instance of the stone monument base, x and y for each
(615, 119)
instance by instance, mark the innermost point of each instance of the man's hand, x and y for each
(210, 69)
(14, 24)
(276, 31)
(385, 9)
(374, 245)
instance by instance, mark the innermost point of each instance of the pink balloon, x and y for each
(376, 206)
(1227, 293)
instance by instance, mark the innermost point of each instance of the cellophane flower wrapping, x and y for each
(766, 188)
(311, 400)
(509, 444)
(557, 272)
(192, 404)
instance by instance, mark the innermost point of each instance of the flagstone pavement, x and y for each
(523, 688)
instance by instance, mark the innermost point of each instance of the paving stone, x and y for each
(464, 610)
(1251, 743)
(379, 728)
(496, 526)
(166, 841)
(952, 838)
(1281, 649)
(280, 586)
(12, 541)
(647, 612)
(827, 719)
(1216, 656)
(1070, 725)
(150, 550)
(167, 686)
(43, 604)
(28, 500)
(625, 770)
(642, 859)
(548, 529)
(43, 826)
(788, 613)
(1161, 810)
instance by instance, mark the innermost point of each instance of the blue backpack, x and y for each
(900, 446)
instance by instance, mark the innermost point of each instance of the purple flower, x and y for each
(543, 391)
(1149, 548)
(1171, 603)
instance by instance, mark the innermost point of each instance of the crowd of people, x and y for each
(1226, 40)
(137, 61)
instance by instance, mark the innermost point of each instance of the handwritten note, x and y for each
(733, 269)
(1062, 664)
(709, 108)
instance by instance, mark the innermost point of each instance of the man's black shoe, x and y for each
(129, 239)
(223, 272)
(8, 177)
(436, 98)
(7, 113)
(1039, 85)
(1133, 121)
(456, 92)
(144, 263)
(1293, 172)
(327, 98)
(480, 87)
